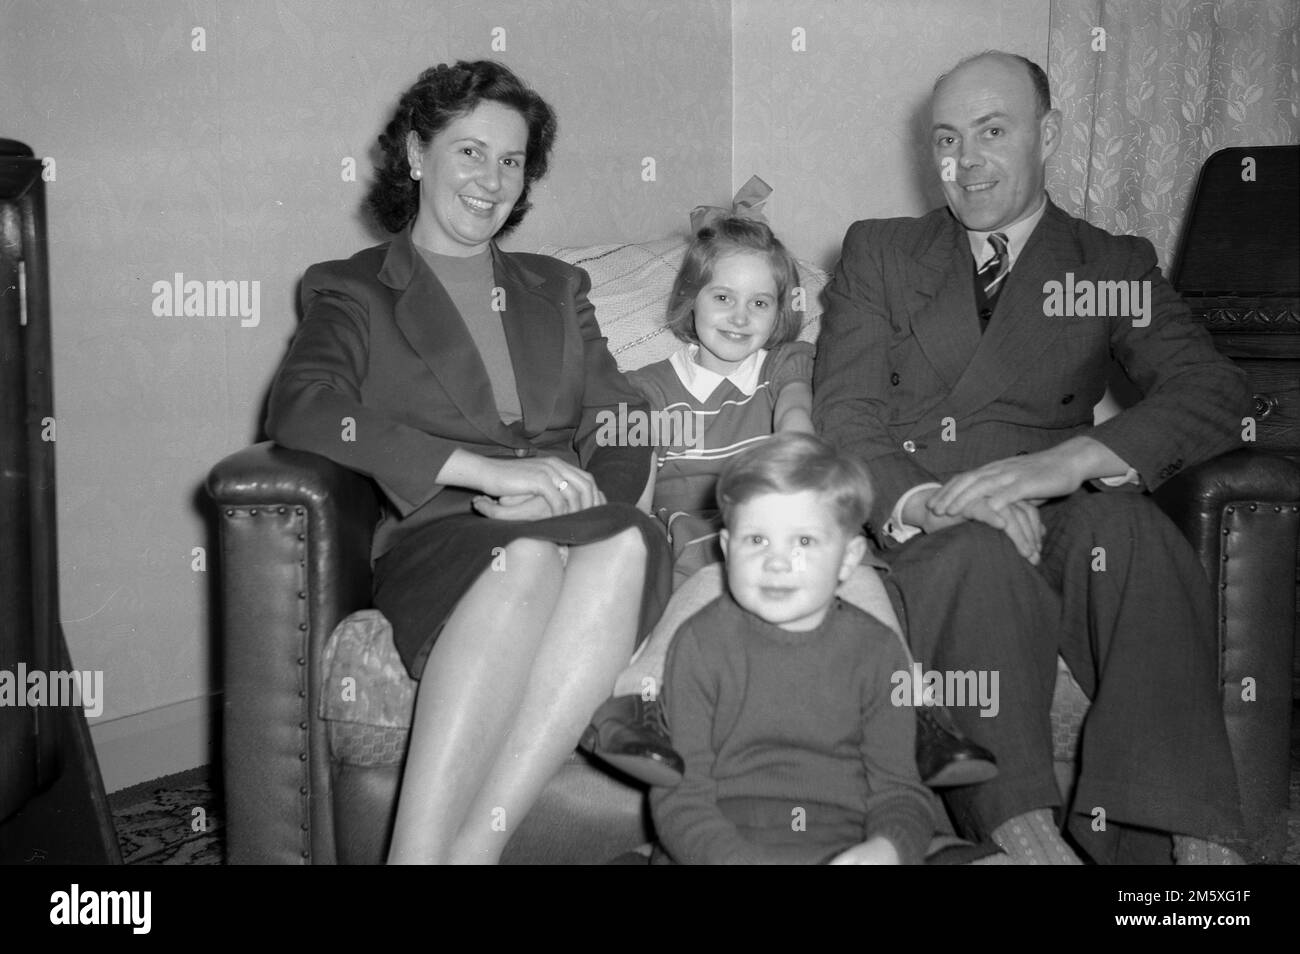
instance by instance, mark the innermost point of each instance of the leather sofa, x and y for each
(294, 542)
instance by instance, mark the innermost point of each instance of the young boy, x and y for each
(778, 693)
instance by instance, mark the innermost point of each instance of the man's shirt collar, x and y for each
(1017, 235)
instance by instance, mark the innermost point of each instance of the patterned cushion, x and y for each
(630, 285)
(367, 697)
(1069, 706)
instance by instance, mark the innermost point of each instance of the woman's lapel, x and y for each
(426, 315)
(534, 329)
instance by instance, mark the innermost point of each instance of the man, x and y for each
(952, 365)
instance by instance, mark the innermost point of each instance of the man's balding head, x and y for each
(991, 138)
(1037, 78)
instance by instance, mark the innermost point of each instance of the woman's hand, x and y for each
(514, 507)
(563, 487)
(520, 506)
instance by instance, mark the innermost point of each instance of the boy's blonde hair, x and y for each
(790, 462)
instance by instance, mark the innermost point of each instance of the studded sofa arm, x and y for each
(295, 533)
(1241, 512)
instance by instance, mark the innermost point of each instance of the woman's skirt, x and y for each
(418, 583)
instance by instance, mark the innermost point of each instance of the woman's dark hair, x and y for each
(442, 94)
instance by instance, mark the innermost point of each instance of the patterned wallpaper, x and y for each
(830, 102)
(220, 155)
(1149, 91)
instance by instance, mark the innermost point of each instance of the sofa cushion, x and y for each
(1069, 706)
(367, 697)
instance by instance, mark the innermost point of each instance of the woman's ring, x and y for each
(561, 484)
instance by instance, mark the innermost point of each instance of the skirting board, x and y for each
(147, 745)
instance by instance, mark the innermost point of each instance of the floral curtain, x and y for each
(1149, 89)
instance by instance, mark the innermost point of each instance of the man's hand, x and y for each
(1019, 521)
(874, 851)
(1056, 472)
(1034, 477)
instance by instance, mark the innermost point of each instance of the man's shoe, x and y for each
(630, 734)
(945, 757)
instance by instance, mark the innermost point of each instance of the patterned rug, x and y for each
(177, 819)
(173, 820)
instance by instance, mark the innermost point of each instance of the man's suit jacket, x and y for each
(383, 377)
(901, 362)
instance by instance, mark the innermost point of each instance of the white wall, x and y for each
(835, 127)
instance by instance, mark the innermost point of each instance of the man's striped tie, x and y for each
(995, 269)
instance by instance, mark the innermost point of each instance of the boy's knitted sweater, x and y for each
(806, 719)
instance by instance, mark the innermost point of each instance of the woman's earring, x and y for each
(415, 174)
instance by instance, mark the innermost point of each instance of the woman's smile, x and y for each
(471, 174)
(478, 206)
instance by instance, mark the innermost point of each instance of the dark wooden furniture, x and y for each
(52, 804)
(1239, 268)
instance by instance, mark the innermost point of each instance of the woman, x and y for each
(512, 561)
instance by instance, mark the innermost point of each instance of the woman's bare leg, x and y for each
(586, 642)
(469, 693)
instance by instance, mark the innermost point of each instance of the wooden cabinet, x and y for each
(1238, 268)
(52, 804)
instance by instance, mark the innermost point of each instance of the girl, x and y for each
(740, 377)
